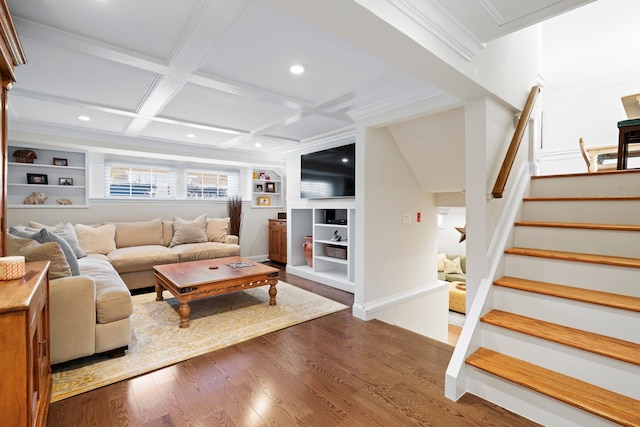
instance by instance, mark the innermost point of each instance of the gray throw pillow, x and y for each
(189, 231)
(45, 236)
(68, 233)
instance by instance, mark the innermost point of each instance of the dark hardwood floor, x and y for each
(332, 371)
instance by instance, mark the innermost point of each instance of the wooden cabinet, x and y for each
(25, 366)
(278, 240)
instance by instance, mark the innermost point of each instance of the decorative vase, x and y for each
(307, 246)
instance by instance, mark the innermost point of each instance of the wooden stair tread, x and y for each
(624, 302)
(614, 348)
(601, 402)
(576, 256)
(580, 225)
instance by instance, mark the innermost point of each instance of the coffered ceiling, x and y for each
(214, 74)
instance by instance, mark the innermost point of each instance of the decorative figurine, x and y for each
(35, 199)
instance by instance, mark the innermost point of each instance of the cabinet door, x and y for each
(275, 243)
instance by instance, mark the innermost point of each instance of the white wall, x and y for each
(448, 238)
(587, 69)
(394, 258)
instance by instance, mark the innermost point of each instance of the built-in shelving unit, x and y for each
(332, 261)
(62, 182)
(266, 189)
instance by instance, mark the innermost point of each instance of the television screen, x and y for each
(328, 173)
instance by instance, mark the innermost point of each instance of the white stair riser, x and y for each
(600, 242)
(584, 211)
(610, 374)
(612, 322)
(530, 404)
(606, 278)
(600, 185)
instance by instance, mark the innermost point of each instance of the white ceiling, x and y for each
(150, 72)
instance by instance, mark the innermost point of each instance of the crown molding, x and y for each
(429, 15)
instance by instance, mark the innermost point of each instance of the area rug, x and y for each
(215, 323)
(456, 319)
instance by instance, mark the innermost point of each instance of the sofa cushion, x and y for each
(185, 231)
(463, 261)
(206, 250)
(45, 236)
(49, 251)
(96, 240)
(113, 299)
(139, 233)
(67, 232)
(140, 258)
(217, 229)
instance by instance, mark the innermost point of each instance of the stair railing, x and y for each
(510, 156)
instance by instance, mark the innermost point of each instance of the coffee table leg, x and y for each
(159, 290)
(272, 294)
(184, 311)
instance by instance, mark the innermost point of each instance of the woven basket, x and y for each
(336, 251)
(24, 156)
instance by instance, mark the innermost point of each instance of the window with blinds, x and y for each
(210, 185)
(139, 182)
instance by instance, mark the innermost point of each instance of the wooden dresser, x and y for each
(278, 240)
(25, 369)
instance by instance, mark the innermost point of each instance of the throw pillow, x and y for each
(68, 233)
(39, 226)
(441, 258)
(49, 251)
(452, 267)
(139, 233)
(217, 229)
(45, 236)
(15, 243)
(189, 231)
(96, 240)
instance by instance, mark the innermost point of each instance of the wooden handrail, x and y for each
(510, 157)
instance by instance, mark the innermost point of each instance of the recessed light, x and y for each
(296, 69)
(190, 135)
(257, 144)
(345, 160)
(84, 118)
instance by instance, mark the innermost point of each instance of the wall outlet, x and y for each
(406, 218)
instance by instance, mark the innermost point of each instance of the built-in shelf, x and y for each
(334, 271)
(74, 173)
(266, 188)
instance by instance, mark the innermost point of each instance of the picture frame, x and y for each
(264, 201)
(65, 181)
(37, 178)
(259, 188)
(58, 161)
(270, 187)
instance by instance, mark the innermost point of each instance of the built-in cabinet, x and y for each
(266, 188)
(333, 235)
(60, 174)
(25, 366)
(278, 240)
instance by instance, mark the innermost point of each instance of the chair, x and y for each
(585, 156)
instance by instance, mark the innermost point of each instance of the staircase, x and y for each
(561, 342)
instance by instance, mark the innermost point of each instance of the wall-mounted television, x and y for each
(328, 173)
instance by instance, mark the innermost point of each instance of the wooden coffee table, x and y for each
(188, 281)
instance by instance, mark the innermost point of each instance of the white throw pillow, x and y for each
(452, 267)
(189, 231)
(441, 258)
(96, 240)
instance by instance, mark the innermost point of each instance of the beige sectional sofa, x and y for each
(92, 276)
